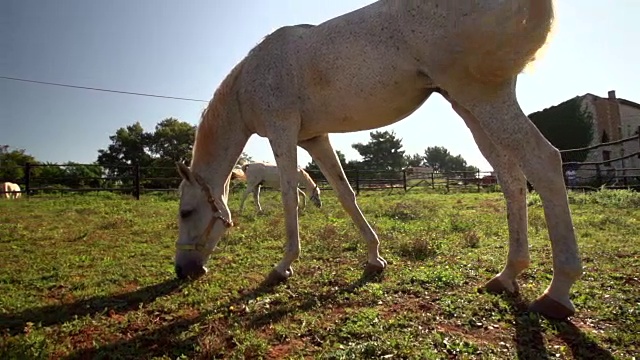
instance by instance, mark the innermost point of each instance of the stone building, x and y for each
(613, 119)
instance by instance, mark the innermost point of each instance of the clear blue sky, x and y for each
(185, 48)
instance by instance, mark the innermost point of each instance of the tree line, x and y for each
(566, 125)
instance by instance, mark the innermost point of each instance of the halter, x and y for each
(200, 245)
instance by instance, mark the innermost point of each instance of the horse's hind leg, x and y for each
(508, 127)
(513, 183)
(256, 197)
(323, 154)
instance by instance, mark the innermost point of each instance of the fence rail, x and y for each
(602, 169)
(136, 184)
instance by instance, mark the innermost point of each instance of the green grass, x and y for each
(92, 277)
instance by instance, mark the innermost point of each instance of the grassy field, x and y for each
(90, 277)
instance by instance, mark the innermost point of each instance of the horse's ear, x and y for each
(184, 172)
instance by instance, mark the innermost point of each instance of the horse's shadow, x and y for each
(530, 341)
(277, 314)
(58, 314)
(145, 344)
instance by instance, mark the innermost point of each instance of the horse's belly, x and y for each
(341, 113)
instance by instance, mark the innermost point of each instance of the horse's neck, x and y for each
(303, 179)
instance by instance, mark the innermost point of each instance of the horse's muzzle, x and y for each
(190, 271)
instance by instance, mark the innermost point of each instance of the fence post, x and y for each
(433, 180)
(404, 179)
(447, 180)
(598, 175)
(478, 180)
(357, 181)
(27, 178)
(136, 181)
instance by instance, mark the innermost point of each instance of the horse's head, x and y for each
(202, 221)
(315, 197)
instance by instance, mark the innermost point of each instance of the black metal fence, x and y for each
(136, 180)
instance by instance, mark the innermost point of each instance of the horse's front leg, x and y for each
(304, 198)
(323, 154)
(283, 142)
(244, 196)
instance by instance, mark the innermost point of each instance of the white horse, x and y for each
(262, 174)
(367, 69)
(10, 190)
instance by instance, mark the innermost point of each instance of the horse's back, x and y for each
(376, 65)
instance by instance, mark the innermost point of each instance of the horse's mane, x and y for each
(211, 115)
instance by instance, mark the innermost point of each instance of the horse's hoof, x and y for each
(551, 308)
(496, 286)
(373, 270)
(275, 277)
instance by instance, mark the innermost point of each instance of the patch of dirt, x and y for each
(408, 304)
(482, 335)
(487, 204)
(130, 287)
(59, 294)
(281, 350)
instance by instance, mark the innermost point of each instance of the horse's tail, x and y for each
(509, 39)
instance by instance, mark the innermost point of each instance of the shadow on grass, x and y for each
(530, 341)
(311, 302)
(213, 339)
(58, 314)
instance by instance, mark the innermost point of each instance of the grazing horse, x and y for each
(367, 69)
(259, 174)
(10, 190)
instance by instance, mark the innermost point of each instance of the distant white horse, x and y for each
(259, 174)
(371, 68)
(10, 190)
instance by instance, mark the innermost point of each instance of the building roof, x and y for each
(620, 100)
(629, 103)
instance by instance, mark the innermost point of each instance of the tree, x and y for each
(567, 126)
(12, 165)
(156, 152)
(382, 153)
(81, 176)
(172, 141)
(128, 147)
(414, 160)
(441, 160)
(244, 159)
(314, 170)
(437, 157)
(50, 174)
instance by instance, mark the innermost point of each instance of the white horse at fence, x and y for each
(262, 174)
(367, 69)
(10, 190)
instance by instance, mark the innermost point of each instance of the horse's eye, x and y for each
(185, 213)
